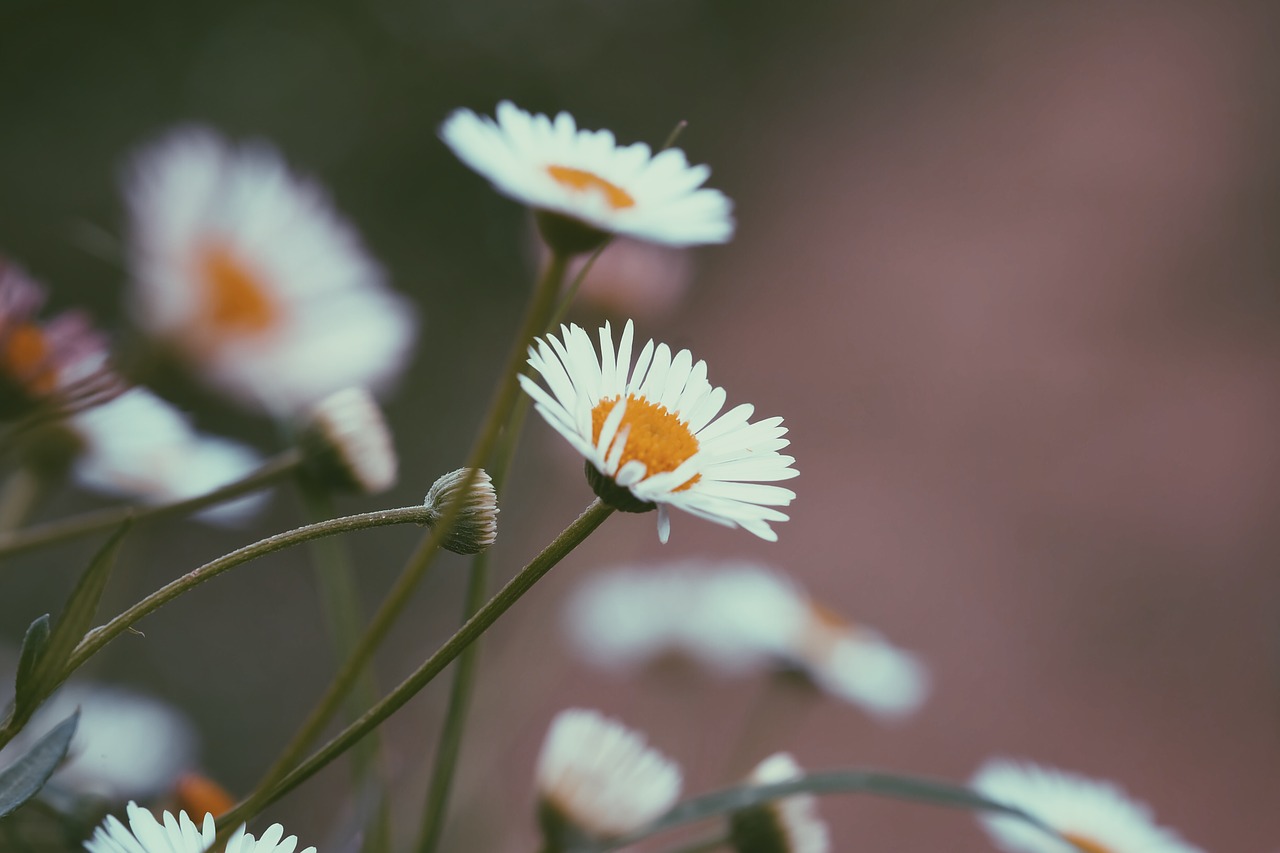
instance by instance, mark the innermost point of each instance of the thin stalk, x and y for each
(569, 538)
(576, 285)
(500, 405)
(100, 636)
(17, 497)
(449, 745)
(104, 519)
(340, 604)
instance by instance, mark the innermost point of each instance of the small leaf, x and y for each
(33, 646)
(729, 800)
(23, 779)
(72, 623)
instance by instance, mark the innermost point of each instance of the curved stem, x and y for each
(575, 533)
(500, 406)
(105, 519)
(100, 636)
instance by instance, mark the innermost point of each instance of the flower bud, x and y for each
(348, 444)
(476, 526)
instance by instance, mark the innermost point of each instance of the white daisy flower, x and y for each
(734, 616)
(247, 271)
(127, 745)
(654, 437)
(146, 834)
(786, 825)
(584, 175)
(599, 779)
(141, 447)
(1096, 817)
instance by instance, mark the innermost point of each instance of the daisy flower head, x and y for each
(1097, 817)
(597, 779)
(246, 271)
(170, 834)
(140, 446)
(584, 186)
(786, 825)
(653, 433)
(58, 367)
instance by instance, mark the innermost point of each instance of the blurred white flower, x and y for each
(248, 272)
(1095, 816)
(139, 446)
(600, 778)
(126, 746)
(786, 825)
(734, 616)
(655, 436)
(170, 834)
(58, 367)
(553, 166)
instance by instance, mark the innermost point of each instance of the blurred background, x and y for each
(1008, 270)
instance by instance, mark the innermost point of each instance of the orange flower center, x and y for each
(236, 297)
(198, 795)
(655, 437)
(1086, 844)
(579, 180)
(26, 356)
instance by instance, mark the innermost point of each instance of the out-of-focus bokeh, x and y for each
(1008, 270)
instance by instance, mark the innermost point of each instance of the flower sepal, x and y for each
(616, 496)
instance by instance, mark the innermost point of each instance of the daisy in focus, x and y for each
(654, 435)
(1096, 817)
(146, 834)
(139, 446)
(597, 779)
(585, 176)
(55, 368)
(246, 271)
(786, 825)
(734, 617)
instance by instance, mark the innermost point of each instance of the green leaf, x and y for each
(73, 622)
(23, 779)
(33, 646)
(930, 791)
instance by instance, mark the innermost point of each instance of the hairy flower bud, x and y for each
(476, 526)
(348, 443)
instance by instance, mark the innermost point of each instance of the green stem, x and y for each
(500, 405)
(100, 636)
(574, 534)
(450, 742)
(343, 615)
(17, 497)
(576, 284)
(105, 519)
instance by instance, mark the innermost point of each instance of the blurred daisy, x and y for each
(597, 779)
(1096, 817)
(786, 825)
(734, 616)
(127, 745)
(654, 437)
(248, 272)
(58, 367)
(584, 175)
(139, 446)
(146, 834)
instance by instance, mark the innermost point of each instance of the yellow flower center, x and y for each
(580, 180)
(1086, 844)
(25, 356)
(655, 437)
(236, 298)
